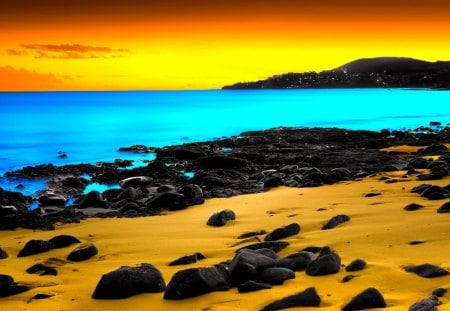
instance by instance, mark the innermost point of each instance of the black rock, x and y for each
(129, 281)
(252, 286)
(427, 270)
(297, 261)
(370, 298)
(52, 200)
(276, 275)
(412, 207)
(273, 181)
(195, 282)
(356, 265)
(251, 234)
(445, 208)
(3, 254)
(93, 199)
(43, 269)
(168, 200)
(247, 265)
(15, 199)
(421, 188)
(267, 252)
(335, 221)
(428, 304)
(189, 259)
(63, 240)
(35, 247)
(193, 194)
(220, 219)
(372, 194)
(135, 182)
(276, 246)
(8, 287)
(327, 262)
(415, 242)
(307, 298)
(42, 296)
(217, 162)
(434, 192)
(128, 194)
(83, 252)
(284, 232)
(312, 249)
(347, 278)
(440, 292)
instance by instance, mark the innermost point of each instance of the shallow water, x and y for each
(91, 126)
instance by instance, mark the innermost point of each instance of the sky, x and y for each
(204, 44)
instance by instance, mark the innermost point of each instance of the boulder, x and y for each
(276, 275)
(273, 181)
(444, 208)
(247, 264)
(284, 232)
(370, 298)
(3, 253)
(327, 262)
(356, 265)
(297, 261)
(135, 182)
(8, 287)
(307, 298)
(83, 252)
(188, 259)
(63, 240)
(252, 286)
(168, 200)
(52, 199)
(220, 219)
(428, 304)
(129, 281)
(440, 292)
(193, 194)
(43, 269)
(335, 221)
(195, 282)
(92, 199)
(427, 270)
(35, 247)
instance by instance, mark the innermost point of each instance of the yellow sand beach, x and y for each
(378, 232)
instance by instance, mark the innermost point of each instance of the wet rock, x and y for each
(427, 270)
(276, 246)
(276, 275)
(356, 265)
(428, 304)
(15, 199)
(307, 298)
(93, 199)
(83, 252)
(273, 181)
(444, 208)
(35, 247)
(63, 240)
(439, 292)
(42, 269)
(252, 286)
(168, 200)
(52, 199)
(220, 219)
(193, 194)
(195, 282)
(370, 298)
(284, 232)
(335, 221)
(247, 265)
(135, 182)
(327, 262)
(413, 207)
(296, 262)
(189, 259)
(129, 281)
(9, 288)
(3, 253)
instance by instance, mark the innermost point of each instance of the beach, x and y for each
(379, 231)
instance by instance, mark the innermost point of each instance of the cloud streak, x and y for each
(26, 80)
(68, 51)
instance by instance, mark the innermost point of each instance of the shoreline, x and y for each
(253, 162)
(379, 231)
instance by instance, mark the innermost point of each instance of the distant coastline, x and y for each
(380, 72)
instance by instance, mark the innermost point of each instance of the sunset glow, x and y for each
(77, 45)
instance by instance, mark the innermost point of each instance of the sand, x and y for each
(378, 232)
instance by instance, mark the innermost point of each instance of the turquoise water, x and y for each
(91, 126)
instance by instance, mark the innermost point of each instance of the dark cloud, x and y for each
(70, 51)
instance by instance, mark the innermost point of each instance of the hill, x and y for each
(380, 72)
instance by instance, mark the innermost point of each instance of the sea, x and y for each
(90, 127)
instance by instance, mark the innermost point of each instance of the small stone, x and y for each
(356, 265)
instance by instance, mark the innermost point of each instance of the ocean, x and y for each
(91, 126)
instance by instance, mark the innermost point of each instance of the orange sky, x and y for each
(137, 44)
